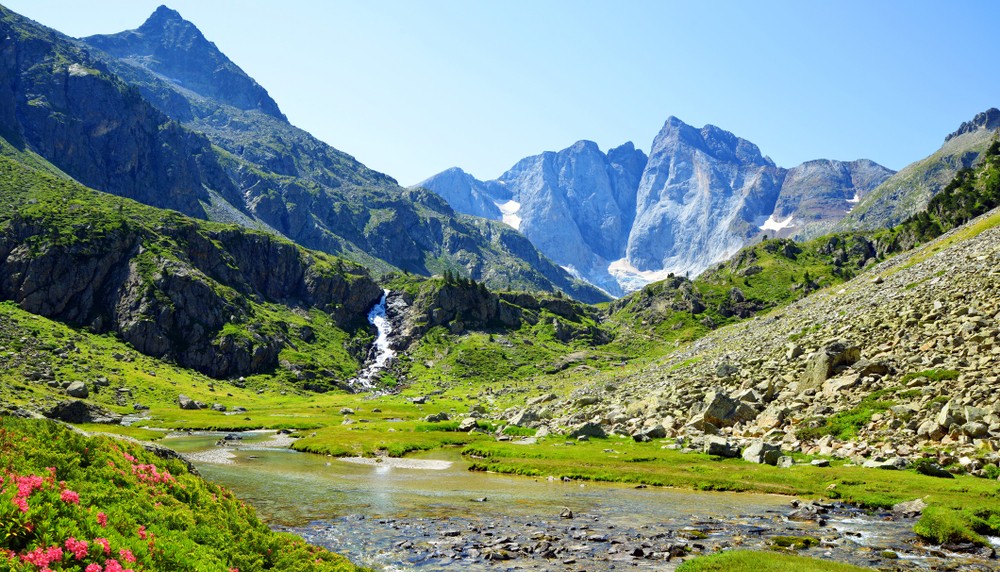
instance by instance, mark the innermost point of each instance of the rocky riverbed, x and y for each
(430, 513)
(593, 542)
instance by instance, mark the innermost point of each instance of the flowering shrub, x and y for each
(69, 502)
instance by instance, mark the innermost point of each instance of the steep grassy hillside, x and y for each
(211, 297)
(907, 192)
(69, 502)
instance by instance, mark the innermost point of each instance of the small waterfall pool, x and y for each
(381, 353)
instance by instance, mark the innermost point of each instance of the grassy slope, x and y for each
(747, 561)
(69, 215)
(156, 515)
(908, 191)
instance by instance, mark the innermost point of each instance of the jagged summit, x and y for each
(176, 50)
(989, 119)
(625, 219)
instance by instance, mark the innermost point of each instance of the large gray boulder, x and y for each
(721, 447)
(721, 410)
(823, 364)
(78, 389)
(761, 452)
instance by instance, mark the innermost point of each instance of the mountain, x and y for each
(908, 191)
(159, 115)
(621, 220)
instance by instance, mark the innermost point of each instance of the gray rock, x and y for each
(186, 402)
(467, 424)
(761, 452)
(76, 411)
(218, 407)
(78, 389)
(933, 470)
(784, 462)
(721, 447)
(893, 464)
(588, 429)
(524, 417)
(436, 417)
(823, 364)
(909, 509)
(723, 411)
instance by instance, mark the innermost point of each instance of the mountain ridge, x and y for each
(700, 195)
(115, 133)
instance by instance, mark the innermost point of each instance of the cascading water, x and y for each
(381, 350)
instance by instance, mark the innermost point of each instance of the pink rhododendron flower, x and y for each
(93, 568)
(142, 532)
(112, 565)
(79, 548)
(21, 503)
(126, 555)
(69, 497)
(102, 519)
(104, 542)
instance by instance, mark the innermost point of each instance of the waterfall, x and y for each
(381, 353)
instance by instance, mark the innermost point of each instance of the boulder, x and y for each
(721, 447)
(950, 414)
(186, 402)
(909, 509)
(976, 430)
(724, 411)
(587, 429)
(930, 429)
(833, 387)
(761, 452)
(824, 364)
(650, 432)
(436, 417)
(78, 389)
(76, 411)
(524, 417)
(467, 424)
(893, 464)
(784, 462)
(932, 469)
(218, 407)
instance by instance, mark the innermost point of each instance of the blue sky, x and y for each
(414, 87)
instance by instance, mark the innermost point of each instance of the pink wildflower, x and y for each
(79, 548)
(112, 565)
(126, 555)
(21, 503)
(104, 542)
(142, 532)
(69, 497)
(93, 568)
(102, 519)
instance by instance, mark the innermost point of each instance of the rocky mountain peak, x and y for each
(989, 119)
(162, 17)
(175, 49)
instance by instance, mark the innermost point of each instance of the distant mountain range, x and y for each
(621, 220)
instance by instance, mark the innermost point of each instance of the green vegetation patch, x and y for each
(748, 561)
(68, 502)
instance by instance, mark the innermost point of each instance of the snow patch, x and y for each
(631, 278)
(856, 199)
(509, 211)
(774, 224)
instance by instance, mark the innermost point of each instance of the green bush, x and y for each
(69, 502)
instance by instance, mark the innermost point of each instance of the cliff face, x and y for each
(621, 220)
(166, 284)
(96, 129)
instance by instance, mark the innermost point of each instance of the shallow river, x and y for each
(431, 513)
